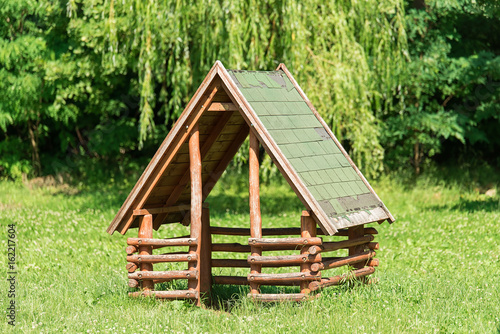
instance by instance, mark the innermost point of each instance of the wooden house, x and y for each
(270, 108)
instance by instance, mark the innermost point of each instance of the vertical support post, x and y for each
(196, 203)
(146, 231)
(254, 201)
(205, 255)
(307, 230)
(356, 232)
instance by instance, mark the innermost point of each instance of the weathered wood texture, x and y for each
(196, 202)
(254, 201)
(277, 231)
(308, 230)
(146, 231)
(173, 274)
(329, 263)
(357, 232)
(261, 242)
(279, 278)
(157, 243)
(336, 245)
(162, 258)
(239, 248)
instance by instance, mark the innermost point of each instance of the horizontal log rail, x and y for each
(173, 294)
(271, 279)
(131, 250)
(373, 245)
(131, 267)
(239, 248)
(285, 260)
(336, 245)
(335, 262)
(278, 231)
(280, 297)
(162, 242)
(162, 258)
(261, 242)
(337, 280)
(373, 263)
(174, 274)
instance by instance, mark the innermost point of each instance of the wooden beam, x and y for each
(356, 232)
(254, 201)
(165, 154)
(222, 106)
(146, 231)
(205, 253)
(179, 188)
(308, 230)
(196, 203)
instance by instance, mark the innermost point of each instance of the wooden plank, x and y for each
(285, 241)
(161, 258)
(196, 203)
(177, 191)
(337, 280)
(168, 209)
(336, 245)
(146, 231)
(308, 230)
(283, 68)
(222, 106)
(254, 201)
(173, 294)
(373, 245)
(176, 137)
(335, 262)
(274, 152)
(173, 274)
(280, 297)
(288, 277)
(162, 242)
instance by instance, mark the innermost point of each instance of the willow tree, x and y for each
(346, 54)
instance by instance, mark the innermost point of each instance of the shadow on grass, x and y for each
(490, 204)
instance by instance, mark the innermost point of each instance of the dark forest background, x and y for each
(92, 87)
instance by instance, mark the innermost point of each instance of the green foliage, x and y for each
(450, 88)
(400, 83)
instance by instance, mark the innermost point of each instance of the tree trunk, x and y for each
(35, 157)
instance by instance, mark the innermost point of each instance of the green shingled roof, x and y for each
(311, 151)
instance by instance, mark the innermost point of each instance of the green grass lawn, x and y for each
(439, 266)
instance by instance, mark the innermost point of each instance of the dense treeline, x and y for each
(400, 83)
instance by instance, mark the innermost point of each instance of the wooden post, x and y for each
(353, 233)
(146, 231)
(205, 255)
(254, 201)
(307, 230)
(196, 203)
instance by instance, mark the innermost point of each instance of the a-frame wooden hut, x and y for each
(272, 109)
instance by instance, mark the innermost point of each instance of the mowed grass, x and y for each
(439, 266)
